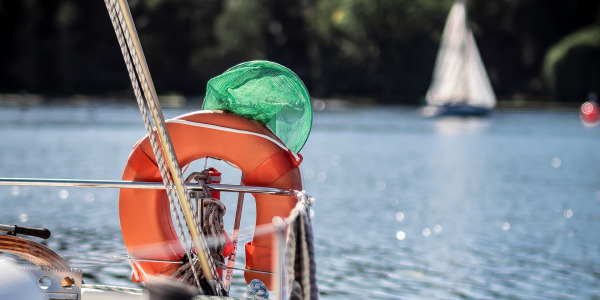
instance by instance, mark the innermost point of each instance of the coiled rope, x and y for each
(214, 232)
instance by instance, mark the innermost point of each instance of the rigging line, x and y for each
(112, 12)
(153, 142)
(165, 142)
(128, 63)
(178, 262)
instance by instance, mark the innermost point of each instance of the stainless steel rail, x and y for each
(121, 184)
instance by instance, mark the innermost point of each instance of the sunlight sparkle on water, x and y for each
(63, 194)
(399, 216)
(321, 176)
(426, 232)
(309, 173)
(23, 217)
(90, 197)
(556, 162)
(400, 235)
(568, 213)
(15, 191)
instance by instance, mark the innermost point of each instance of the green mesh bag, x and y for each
(267, 92)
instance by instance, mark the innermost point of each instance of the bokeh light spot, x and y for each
(426, 232)
(63, 194)
(23, 217)
(399, 216)
(321, 176)
(400, 235)
(337, 16)
(15, 191)
(556, 162)
(318, 105)
(89, 197)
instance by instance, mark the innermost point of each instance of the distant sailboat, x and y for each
(460, 84)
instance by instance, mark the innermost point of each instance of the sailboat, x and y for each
(460, 84)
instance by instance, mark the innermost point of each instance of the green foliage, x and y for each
(381, 49)
(513, 37)
(171, 33)
(239, 37)
(388, 45)
(572, 66)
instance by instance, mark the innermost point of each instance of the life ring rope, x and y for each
(232, 130)
(272, 168)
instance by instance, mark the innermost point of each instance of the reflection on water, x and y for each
(460, 126)
(407, 207)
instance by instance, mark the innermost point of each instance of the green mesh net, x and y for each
(267, 92)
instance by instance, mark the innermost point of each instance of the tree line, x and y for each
(385, 50)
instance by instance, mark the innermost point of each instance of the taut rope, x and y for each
(167, 161)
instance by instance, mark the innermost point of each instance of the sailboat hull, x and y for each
(456, 110)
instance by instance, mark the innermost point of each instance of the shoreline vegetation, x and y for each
(319, 104)
(381, 50)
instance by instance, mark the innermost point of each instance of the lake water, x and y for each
(506, 207)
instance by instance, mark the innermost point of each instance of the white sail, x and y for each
(480, 89)
(459, 75)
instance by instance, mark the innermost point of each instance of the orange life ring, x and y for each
(145, 215)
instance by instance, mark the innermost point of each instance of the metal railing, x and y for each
(123, 184)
